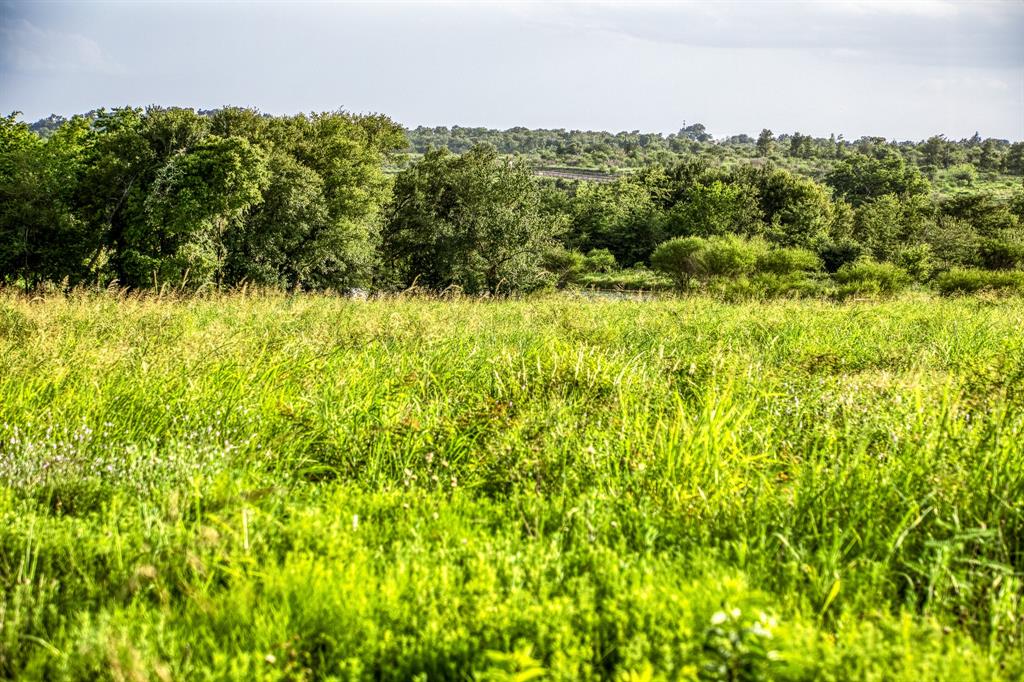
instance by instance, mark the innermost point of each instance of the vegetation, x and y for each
(283, 487)
(170, 197)
(960, 161)
(454, 473)
(173, 197)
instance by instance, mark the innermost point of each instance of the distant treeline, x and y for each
(634, 149)
(156, 197)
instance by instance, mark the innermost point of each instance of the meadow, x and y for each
(272, 487)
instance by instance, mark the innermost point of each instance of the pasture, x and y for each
(307, 487)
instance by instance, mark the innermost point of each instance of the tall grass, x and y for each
(305, 487)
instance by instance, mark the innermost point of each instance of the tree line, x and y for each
(635, 149)
(161, 196)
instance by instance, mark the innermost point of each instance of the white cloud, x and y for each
(979, 33)
(919, 8)
(26, 48)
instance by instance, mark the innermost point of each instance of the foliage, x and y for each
(963, 174)
(797, 211)
(566, 266)
(600, 260)
(971, 281)
(680, 259)
(868, 278)
(686, 258)
(622, 218)
(954, 242)
(637, 278)
(170, 196)
(916, 260)
(715, 209)
(999, 254)
(40, 237)
(787, 261)
(859, 178)
(471, 221)
(193, 200)
(836, 254)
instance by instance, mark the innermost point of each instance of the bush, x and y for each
(954, 242)
(793, 285)
(600, 260)
(788, 261)
(730, 256)
(835, 255)
(999, 254)
(962, 174)
(637, 278)
(565, 265)
(917, 261)
(686, 258)
(679, 259)
(766, 286)
(868, 278)
(970, 281)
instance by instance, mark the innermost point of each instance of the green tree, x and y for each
(715, 208)
(886, 223)
(685, 259)
(472, 221)
(131, 149)
(318, 225)
(797, 211)
(988, 215)
(41, 236)
(992, 156)
(624, 217)
(287, 239)
(196, 197)
(765, 143)
(564, 265)
(859, 178)
(1014, 162)
(937, 152)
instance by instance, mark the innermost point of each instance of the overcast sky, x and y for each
(902, 70)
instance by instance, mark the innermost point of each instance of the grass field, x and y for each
(274, 487)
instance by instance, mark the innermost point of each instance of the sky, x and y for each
(898, 69)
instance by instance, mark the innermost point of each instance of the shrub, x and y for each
(679, 259)
(962, 174)
(835, 255)
(1000, 254)
(686, 258)
(917, 261)
(637, 278)
(600, 260)
(792, 285)
(868, 278)
(954, 242)
(565, 265)
(788, 261)
(730, 256)
(971, 280)
(766, 286)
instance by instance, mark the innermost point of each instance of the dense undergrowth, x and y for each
(307, 487)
